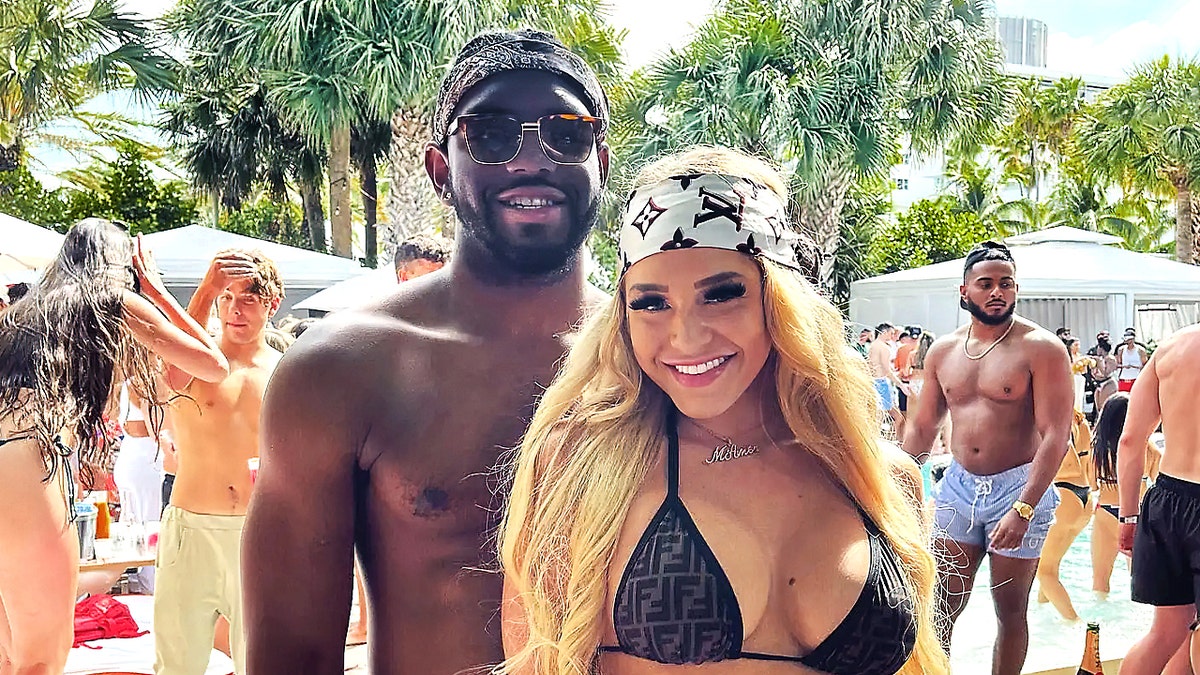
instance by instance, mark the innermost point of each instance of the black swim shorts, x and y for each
(1166, 546)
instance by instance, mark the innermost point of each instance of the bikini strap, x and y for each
(4, 441)
(672, 452)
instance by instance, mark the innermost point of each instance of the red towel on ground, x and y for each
(103, 616)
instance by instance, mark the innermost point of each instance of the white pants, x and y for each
(138, 473)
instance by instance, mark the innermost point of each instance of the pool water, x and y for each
(1053, 642)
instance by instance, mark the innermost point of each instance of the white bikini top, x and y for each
(129, 412)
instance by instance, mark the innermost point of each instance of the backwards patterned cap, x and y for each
(494, 52)
(711, 211)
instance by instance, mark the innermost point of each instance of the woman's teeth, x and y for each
(701, 368)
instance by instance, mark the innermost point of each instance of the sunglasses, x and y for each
(496, 139)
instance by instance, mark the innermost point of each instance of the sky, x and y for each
(1087, 37)
(1103, 38)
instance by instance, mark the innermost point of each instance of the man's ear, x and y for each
(274, 307)
(602, 155)
(437, 166)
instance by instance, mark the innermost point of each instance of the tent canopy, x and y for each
(184, 254)
(354, 291)
(27, 242)
(1090, 283)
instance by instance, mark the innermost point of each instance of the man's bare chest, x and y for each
(446, 451)
(994, 377)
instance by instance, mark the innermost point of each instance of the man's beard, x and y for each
(985, 318)
(546, 262)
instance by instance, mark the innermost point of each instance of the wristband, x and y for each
(1129, 520)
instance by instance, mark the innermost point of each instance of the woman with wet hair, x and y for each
(99, 316)
(704, 481)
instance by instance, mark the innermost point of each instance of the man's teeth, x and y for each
(529, 203)
(701, 368)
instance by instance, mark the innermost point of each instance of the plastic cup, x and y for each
(85, 524)
(252, 464)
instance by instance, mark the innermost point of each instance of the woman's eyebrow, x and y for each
(648, 288)
(716, 279)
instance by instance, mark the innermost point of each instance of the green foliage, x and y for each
(1144, 135)
(60, 53)
(267, 219)
(863, 218)
(22, 195)
(930, 231)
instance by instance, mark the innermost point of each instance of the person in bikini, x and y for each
(1007, 384)
(704, 481)
(99, 315)
(1075, 506)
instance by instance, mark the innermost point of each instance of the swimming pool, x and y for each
(1054, 643)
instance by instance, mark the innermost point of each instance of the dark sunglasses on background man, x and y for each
(496, 139)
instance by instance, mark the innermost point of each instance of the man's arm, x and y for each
(1140, 421)
(1053, 413)
(924, 423)
(298, 544)
(221, 271)
(1053, 405)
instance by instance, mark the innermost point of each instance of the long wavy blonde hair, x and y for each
(599, 428)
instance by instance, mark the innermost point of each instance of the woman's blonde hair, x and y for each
(599, 428)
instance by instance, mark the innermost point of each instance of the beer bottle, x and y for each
(1090, 664)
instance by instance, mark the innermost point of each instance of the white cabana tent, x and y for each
(352, 292)
(25, 248)
(1067, 277)
(184, 254)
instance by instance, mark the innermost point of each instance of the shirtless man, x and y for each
(1007, 384)
(382, 426)
(1163, 532)
(215, 431)
(887, 382)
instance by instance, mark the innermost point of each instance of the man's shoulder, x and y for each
(1031, 333)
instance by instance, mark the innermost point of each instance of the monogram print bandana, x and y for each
(709, 211)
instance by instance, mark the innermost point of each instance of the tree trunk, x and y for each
(339, 192)
(1185, 224)
(314, 213)
(412, 207)
(821, 219)
(370, 201)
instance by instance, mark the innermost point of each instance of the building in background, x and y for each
(1025, 41)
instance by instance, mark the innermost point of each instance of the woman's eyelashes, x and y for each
(649, 302)
(711, 296)
(724, 292)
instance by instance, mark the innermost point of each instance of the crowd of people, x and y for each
(531, 476)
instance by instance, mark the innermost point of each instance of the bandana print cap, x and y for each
(710, 211)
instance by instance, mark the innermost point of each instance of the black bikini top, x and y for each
(675, 605)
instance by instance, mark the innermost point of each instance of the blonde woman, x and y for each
(703, 482)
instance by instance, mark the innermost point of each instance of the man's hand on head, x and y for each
(229, 267)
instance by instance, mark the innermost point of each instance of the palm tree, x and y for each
(974, 183)
(369, 142)
(828, 89)
(1037, 138)
(231, 140)
(57, 54)
(1144, 134)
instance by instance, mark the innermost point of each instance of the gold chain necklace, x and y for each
(991, 346)
(727, 450)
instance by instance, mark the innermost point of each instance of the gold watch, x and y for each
(1024, 510)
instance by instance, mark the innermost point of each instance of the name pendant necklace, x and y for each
(992, 346)
(728, 450)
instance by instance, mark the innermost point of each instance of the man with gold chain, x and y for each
(1007, 384)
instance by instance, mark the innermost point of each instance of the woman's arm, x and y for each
(39, 563)
(158, 322)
